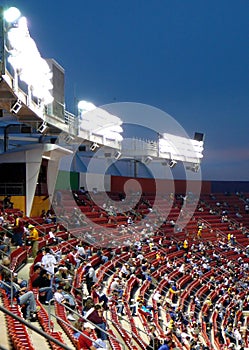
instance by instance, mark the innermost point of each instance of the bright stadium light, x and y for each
(99, 122)
(181, 148)
(11, 14)
(85, 106)
(26, 60)
(110, 135)
(111, 132)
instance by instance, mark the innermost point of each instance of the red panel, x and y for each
(150, 186)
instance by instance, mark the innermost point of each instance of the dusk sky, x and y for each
(187, 58)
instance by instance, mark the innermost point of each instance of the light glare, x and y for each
(28, 63)
(85, 106)
(12, 14)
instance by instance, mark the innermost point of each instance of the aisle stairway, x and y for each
(4, 338)
(37, 340)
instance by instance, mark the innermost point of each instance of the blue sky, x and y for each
(188, 58)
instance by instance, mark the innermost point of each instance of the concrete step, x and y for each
(38, 341)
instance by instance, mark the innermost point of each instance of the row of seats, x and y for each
(202, 290)
(17, 331)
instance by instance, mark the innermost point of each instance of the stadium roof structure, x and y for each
(28, 91)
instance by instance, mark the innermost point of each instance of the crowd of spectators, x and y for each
(54, 272)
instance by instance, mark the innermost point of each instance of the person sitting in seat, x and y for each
(63, 297)
(43, 282)
(7, 204)
(117, 286)
(84, 339)
(95, 315)
(63, 277)
(100, 296)
(25, 298)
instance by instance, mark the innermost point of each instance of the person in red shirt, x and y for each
(84, 341)
(95, 315)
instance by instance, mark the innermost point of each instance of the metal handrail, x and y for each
(35, 329)
(4, 253)
(85, 319)
(175, 239)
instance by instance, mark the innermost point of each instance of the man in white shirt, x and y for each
(116, 286)
(90, 277)
(64, 298)
(48, 261)
(158, 298)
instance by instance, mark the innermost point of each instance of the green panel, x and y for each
(67, 180)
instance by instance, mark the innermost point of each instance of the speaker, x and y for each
(82, 148)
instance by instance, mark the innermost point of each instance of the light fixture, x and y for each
(172, 163)
(117, 155)
(99, 122)
(181, 148)
(68, 138)
(42, 127)
(46, 157)
(25, 58)
(196, 168)
(148, 160)
(193, 167)
(94, 146)
(11, 14)
(15, 108)
(85, 106)
(108, 155)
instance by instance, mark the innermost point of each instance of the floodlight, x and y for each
(68, 138)
(94, 146)
(117, 155)
(108, 155)
(172, 163)
(148, 160)
(196, 168)
(181, 148)
(25, 58)
(85, 106)
(111, 135)
(16, 106)
(42, 128)
(193, 167)
(46, 157)
(12, 14)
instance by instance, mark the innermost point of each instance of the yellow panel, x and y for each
(40, 203)
(19, 202)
